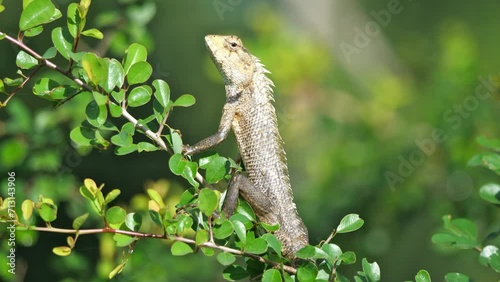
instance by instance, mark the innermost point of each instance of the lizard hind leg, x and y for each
(241, 184)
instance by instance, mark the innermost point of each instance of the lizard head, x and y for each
(234, 62)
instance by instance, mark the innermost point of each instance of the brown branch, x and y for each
(211, 245)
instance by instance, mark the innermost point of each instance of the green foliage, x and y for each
(111, 87)
(462, 233)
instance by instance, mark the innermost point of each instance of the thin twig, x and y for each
(28, 78)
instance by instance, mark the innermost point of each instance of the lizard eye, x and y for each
(233, 44)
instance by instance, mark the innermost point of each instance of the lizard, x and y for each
(250, 113)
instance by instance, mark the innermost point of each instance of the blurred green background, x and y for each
(359, 85)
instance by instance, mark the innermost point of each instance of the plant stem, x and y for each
(211, 245)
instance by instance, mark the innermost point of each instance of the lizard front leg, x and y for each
(221, 134)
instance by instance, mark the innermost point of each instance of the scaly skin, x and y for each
(249, 112)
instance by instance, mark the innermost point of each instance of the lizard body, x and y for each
(249, 112)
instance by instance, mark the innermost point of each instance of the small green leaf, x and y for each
(139, 96)
(62, 41)
(307, 272)
(273, 242)
(491, 193)
(348, 257)
(123, 240)
(50, 53)
(270, 227)
(256, 246)
(99, 98)
(95, 33)
(493, 144)
(114, 78)
(309, 251)
(234, 273)
(156, 217)
(240, 230)
(79, 221)
(62, 251)
(75, 21)
(181, 249)
(13, 82)
(122, 139)
(95, 68)
(135, 53)
(184, 222)
(244, 209)
(120, 95)
(462, 227)
(216, 169)
(177, 164)
(34, 31)
(83, 7)
(115, 215)
(189, 173)
(371, 270)
(48, 212)
(208, 201)
(133, 221)
(226, 258)
(139, 73)
(452, 240)
(224, 230)
(422, 276)
(36, 13)
(146, 147)
(185, 100)
(25, 60)
(2, 86)
(162, 92)
(202, 236)
(96, 114)
(111, 196)
(271, 275)
(155, 196)
(490, 161)
(349, 223)
(71, 241)
(82, 136)
(206, 157)
(207, 251)
(51, 90)
(187, 197)
(456, 277)
(117, 270)
(27, 209)
(490, 257)
(176, 141)
(333, 251)
(115, 110)
(122, 151)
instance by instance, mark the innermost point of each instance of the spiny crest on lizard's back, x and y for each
(262, 84)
